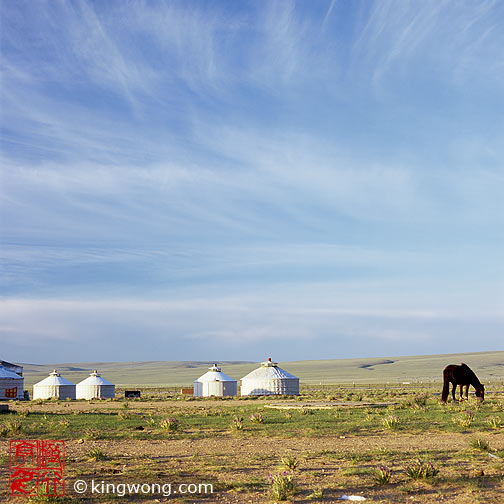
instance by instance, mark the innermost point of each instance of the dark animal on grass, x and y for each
(462, 376)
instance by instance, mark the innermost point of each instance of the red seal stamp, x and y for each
(36, 468)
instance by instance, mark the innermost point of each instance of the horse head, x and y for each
(480, 392)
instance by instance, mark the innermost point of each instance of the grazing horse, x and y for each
(463, 376)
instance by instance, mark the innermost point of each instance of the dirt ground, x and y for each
(262, 455)
(238, 465)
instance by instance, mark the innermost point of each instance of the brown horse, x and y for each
(463, 376)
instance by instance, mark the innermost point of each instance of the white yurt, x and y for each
(95, 387)
(11, 384)
(269, 379)
(215, 383)
(54, 386)
(12, 367)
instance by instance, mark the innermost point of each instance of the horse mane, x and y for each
(471, 375)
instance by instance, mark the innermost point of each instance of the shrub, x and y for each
(3, 430)
(237, 423)
(170, 424)
(494, 422)
(256, 418)
(391, 421)
(14, 426)
(421, 470)
(91, 434)
(464, 419)
(289, 462)
(479, 444)
(383, 475)
(282, 486)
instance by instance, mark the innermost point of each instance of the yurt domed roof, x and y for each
(7, 373)
(268, 371)
(12, 367)
(53, 379)
(215, 374)
(95, 379)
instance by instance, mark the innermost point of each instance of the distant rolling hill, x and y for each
(427, 368)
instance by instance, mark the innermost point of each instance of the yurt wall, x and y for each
(269, 379)
(215, 383)
(54, 386)
(95, 387)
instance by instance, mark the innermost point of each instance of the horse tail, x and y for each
(446, 391)
(446, 386)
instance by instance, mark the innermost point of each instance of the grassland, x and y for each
(381, 433)
(489, 366)
(328, 442)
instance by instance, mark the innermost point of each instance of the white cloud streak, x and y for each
(451, 39)
(252, 321)
(200, 141)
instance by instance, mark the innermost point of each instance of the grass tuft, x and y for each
(316, 494)
(391, 422)
(283, 486)
(383, 475)
(256, 418)
(96, 454)
(170, 424)
(289, 462)
(479, 444)
(494, 422)
(237, 423)
(421, 470)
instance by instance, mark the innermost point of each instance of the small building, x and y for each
(269, 379)
(95, 387)
(215, 383)
(11, 384)
(54, 387)
(12, 367)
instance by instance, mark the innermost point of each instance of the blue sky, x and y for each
(234, 180)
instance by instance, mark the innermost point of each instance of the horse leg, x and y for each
(461, 392)
(454, 387)
(467, 392)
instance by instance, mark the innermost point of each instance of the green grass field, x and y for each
(201, 418)
(489, 366)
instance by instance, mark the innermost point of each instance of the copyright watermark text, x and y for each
(121, 489)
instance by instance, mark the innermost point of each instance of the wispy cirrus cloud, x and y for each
(451, 41)
(324, 171)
